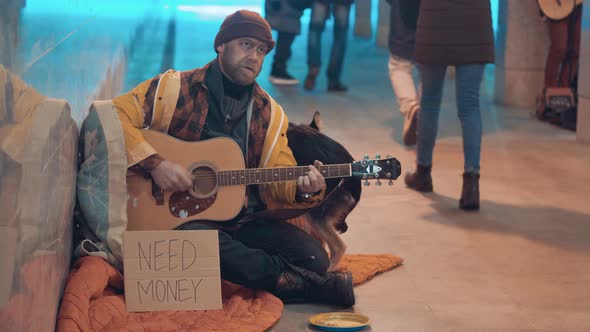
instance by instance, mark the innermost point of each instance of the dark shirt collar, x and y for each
(216, 80)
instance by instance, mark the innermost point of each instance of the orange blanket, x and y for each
(93, 301)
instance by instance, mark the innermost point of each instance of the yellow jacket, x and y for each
(156, 99)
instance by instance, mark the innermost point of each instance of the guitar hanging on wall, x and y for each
(219, 183)
(558, 9)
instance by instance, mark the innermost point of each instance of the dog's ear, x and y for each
(316, 123)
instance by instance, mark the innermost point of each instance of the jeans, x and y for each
(402, 81)
(319, 15)
(468, 81)
(283, 50)
(256, 255)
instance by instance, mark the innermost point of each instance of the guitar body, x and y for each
(558, 9)
(206, 202)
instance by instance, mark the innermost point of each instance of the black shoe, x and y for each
(420, 180)
(282, 77)
(297, 285)
(470, 193)
(337, 87)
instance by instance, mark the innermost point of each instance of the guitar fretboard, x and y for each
(268, 175)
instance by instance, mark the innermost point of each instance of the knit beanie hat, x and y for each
(244, 23)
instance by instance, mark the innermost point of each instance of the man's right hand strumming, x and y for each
(172, 177)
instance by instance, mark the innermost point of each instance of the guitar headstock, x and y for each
(377, 169)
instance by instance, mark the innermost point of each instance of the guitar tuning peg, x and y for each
(366, 157)
(390, 182)
(377, 156)
(367, 183)
(378, 183)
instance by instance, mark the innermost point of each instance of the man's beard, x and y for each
(241, 73)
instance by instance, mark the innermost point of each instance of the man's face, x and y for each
(241, 59)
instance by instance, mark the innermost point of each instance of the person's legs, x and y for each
(468, 84)
(281, 259)
(279, 74)
(432, 78)
(317, 23)
(290, 242)
(249, 267)
(341, 15)
(404, 88)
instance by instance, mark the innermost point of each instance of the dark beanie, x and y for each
(244, 23)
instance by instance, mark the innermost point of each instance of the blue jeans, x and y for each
(319, 15)
(468, 83)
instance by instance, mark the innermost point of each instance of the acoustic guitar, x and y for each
(558, 9)
(219, 182)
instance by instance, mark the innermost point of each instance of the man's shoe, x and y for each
(410, 126)
(312, 74)
(337, 87)
(282, 78)
(297, 285)
(420, 180)
(470, 193)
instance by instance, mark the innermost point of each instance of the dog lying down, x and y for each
(325, 221)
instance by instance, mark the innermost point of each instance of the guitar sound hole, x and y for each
(205, 181)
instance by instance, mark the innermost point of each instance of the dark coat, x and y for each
(402, 27)
(454, 32)
(283, 16)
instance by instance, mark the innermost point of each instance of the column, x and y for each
(521, 49)
(583, 125)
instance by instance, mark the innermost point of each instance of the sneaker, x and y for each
(282, 78)
(337, 87)
(410, 126)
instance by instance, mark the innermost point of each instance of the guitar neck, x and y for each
(267, 175)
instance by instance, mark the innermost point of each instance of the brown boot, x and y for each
(297, 285)
(312, 74)
(420, 180)
(470, 194)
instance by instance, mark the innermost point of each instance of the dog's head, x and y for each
(309, 144)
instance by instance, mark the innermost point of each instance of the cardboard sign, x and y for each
(7, 259)
(171, 270)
